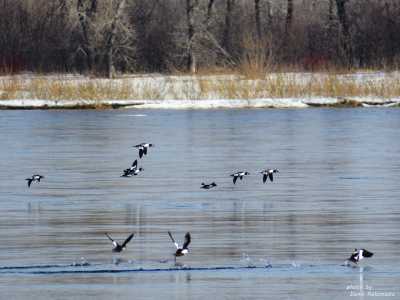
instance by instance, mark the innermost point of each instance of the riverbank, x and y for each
(276, 90)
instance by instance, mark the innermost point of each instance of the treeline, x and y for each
(108, 36)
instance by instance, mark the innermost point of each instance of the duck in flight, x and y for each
(184, 250)
(269, 173)
(132, 171)
(359, 254)
(143, 147)
(238, 175)
(34, 178)
(208, 186)
(116, 246)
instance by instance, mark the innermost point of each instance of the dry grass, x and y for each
(255, 62)
(283, 86)
(272, 85)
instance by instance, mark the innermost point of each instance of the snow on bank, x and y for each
(276, 90)
(199, 104)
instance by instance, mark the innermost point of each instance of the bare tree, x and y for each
(117, 22)
(209, 12)
(85, 15)
(341, 12)
(112, 36)
(289, 16)
(226, 40)
(257, 18)
(191, 58)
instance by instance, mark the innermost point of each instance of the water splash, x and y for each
(247, 261)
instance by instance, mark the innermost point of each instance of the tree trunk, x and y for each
(289, 16)
(111, 39)
(209, 12)
(84, 19)
(226, 42)
(330, 12)
(341, 11)
(269, 14)
(257, 16)
(191, 60)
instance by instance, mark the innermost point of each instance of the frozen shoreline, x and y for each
(201, 104)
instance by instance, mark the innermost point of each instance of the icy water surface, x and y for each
(338, 189)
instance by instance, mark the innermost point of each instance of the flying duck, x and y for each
(184, 250)
(129, 172)
(117, 247)
(269, 173)
(133, 170)
(34, 178)
(238, 175)
(143, 148)
(359, 254)
(208, 186)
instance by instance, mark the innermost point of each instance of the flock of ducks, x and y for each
(356, 256)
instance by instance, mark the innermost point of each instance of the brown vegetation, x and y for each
(274, 85)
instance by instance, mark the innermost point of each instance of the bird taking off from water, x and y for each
(116, 246)
(181, 251)
(359, 254)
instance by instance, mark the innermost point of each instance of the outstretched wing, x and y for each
(134, 164)
(145, 150)
(172, 239)
(140, 152)
(109, 237)
(29, 181)
(366, 253)
(271, 176)
(265, 176)
(234, 179)
(187, 241)
(127, 240)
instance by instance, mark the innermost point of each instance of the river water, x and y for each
(337, 189)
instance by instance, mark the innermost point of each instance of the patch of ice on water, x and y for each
(133, 115)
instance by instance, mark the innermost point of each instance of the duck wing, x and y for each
(265, 176)
(109, 237)
(271, 177)
(187, 241)
(234, 179)
(134, 164)
(366, 253)
(29, 181)
(127, 240)
(172, 239)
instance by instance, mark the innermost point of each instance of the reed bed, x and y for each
(272, 85)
